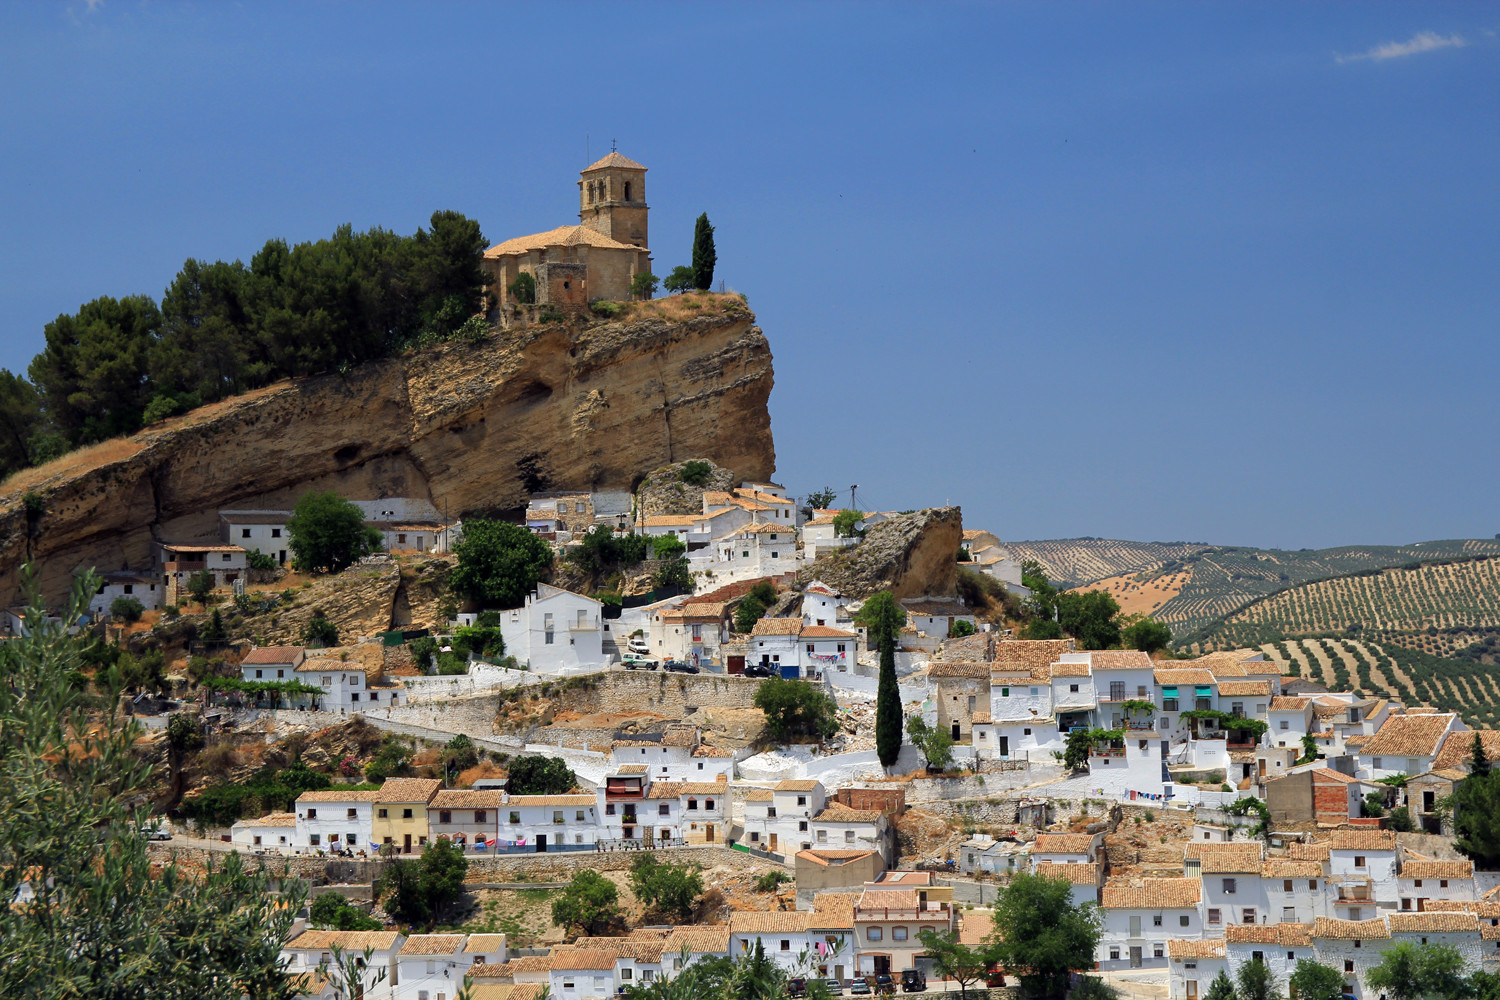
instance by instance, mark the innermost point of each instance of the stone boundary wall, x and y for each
(539, 869)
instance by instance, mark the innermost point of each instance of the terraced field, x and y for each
(1393, 671)
(1073, 562)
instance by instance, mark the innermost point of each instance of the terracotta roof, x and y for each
(887, 899)
(704, 750)
(1408, 736)
(271, 654)
(777, 626)
(697, 940)
(334, 795)
(615, 160)
(826, 632)
(467, 798)
(1196, 948)
(271, 819)
(1328, 773)
(680, 736)
(566, 236)
(1070, 670)
(1287, 935)
(1291, 869)
(1232, 862)
(837, 812)
(1239, 850)
(1121, 660)
(1478, 907)
(824, 858)
(974, 926)
(408, 789)
(631, 768)
(767, 922)
(664, 790)
(1456, 748)
(433, 944)
(529, 963)
(1063, 843)
(720, 787)
(759, 497)
(501, 991)
(1362, 840)
(982, 717)
(1298, 851)
(593, 959)
(1437, 922)
(971, 669)
(670, 521)
(766, 528)
(759, 795)
(1288, 703)
(1153, 894)
(1437, 869)
(484, 944)
(1078, 874)
(354, 941)
(552, 800)
(1170, 675)
(1350, 930)
(1245, 688)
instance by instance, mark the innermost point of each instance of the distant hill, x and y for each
(1192, 586)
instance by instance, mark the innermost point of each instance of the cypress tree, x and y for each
(888, 706)
(704, 257)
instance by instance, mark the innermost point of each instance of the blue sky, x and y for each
(1220, 272)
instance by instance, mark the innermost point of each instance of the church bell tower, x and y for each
(612, 199)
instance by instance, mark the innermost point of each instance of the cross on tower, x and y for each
(611, 145)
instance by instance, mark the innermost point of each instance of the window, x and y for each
(1285, 725)
(1312, 883)
(898, 933)
(1229, 886)
(770, 812)
(227, 557)
(802, 800)
(1182, 921)
(663, 810)
(802, 826)
(406, 814)
(707, 803)
(483, 816)
(873, 934)
(786, 944)
(1405, 903)
(754, 837)
(1005, 692)
(354, 696)
(256, 841)
(1033, 692)
(1443, 884)
(1418, 883)
(1247, 915)
(1156, 920)
(693, 803)
(244, 532)
(258, 674)
(609, 809)
(1348, 965)
(848, 836)
(1114, 954)
(557, 817)
(1157, 951)
(1289, 914)
(1359, 861)
(382, 813)
(431, 968)
(579, 817)
(1258, 956)
(1213, 916)
(312, 814)
(515, 817)
(444, 816)
(315, 839)
(1074, 688)
(275, 532)
(1355, 913)
(822, 836)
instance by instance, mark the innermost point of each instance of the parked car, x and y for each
(859, 987)
(913, 981)
(885, 984)
(796, 987)
(835, 987)
(638, 646)
(156, 833)
(994, 978)
(758, 670)
(679, 667)
(639, 663)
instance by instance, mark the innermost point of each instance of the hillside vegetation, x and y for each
(1198, 585)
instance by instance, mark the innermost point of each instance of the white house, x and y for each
(783, 934)
(748, 552)
(1066, 848)
(823, 604)
(582, 974)
(334, 819)
(226, 563)
(774, 644)
(935, 616)
(675, 753)
(1278, 946)
(1420, 883)
(693, 632)
(312, 950)
(271, 832)
(555, 630)
(779, 819)
(1139, 920)
(540, 823)
(1194, 963)
(988, 555)
(1362, 868)
(272, 663)
(1290, 718)
(839, 826)
(144, 587)
(1406, 744)
(263, 531)
(820, 536)
(430, 966)
(345, 685)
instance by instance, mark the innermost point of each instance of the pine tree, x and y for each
(704, 257)
(1480, 762)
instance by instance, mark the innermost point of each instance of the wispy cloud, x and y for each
(1425, 41)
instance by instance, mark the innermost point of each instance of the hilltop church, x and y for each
(576, 265)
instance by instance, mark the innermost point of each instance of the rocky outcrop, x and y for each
(472, 427)
(664, 492)
(910, 555)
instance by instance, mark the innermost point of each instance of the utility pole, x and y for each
(853, 501)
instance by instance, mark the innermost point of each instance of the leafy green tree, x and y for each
(1041, 933)
(1081, 741)
(1221, 988)
(935, 742)
(883, 618)
(1476, 811)
(214, 631)
(1312, 980)
(1254, 981)
(695, 472)
(328, 533)
(1043, 594)
(674, 574)
(671, 890)
(1485, 985)
(960, 628)
(93, 372)
(1042, 628)
(1146, 634)
(20, 422)
(601, 549)
(1090, 618)
(415, 892)
(320, 631)
(538, 775)
(846, 523)
(704, 256)
(822, 499)
(680, 280)
(201, 585)
(331, 911)
(955, 960)
(523, 289)
(392, 759)
(1373, 804)
(67, 773)
(749, 611)
(499, 563)
(668, 546)
(590, 902)
(796, 708)
(459, 755)
(1411, 971)
(1400, 820)
(126, 609)
(643, 285)
(755, 976)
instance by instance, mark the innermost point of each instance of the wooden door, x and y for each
(708, 833)
(773, 843)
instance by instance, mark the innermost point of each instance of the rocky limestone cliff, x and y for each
(473, 428)
(910, 555)
(664, 492)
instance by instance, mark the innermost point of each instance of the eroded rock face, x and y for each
(664, 492)
(473, 428)
(910, 555)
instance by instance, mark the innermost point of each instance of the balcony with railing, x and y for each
(940, 910)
